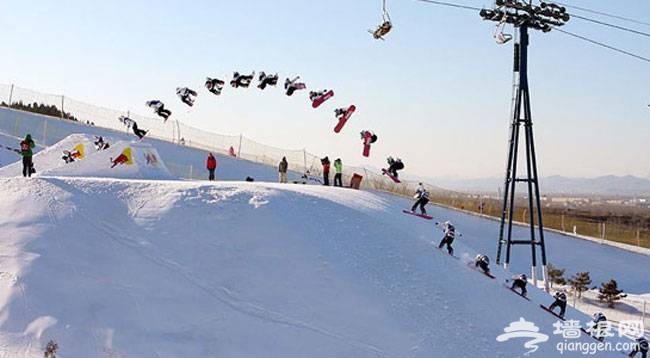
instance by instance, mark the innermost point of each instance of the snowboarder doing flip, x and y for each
(292, 85)
(69, 156)
(100, 144)
(422, 196)
(186, 95)
(137, 131)
(394, 165)
(519, 281)
(560, 301)
(482, 261)
(159, 108)
(214, 85)
(449, 236)
(267, 80)
(239, 80)
(641, 346)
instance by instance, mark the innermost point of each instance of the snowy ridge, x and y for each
(108, 267)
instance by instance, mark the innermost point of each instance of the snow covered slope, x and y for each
(141, 268)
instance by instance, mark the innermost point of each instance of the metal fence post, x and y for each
(304, 158)
(11, 95)
(62, 107)
(191, 170)
(238, 154)
(44, 132)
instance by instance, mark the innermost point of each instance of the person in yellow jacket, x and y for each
(338, 167)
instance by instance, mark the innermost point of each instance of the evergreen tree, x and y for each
(556, 275)
(580, 282)
(610, 293)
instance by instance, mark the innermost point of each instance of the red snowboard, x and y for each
(424, 216)
(384, 171)
(318, 101)
(344, 118)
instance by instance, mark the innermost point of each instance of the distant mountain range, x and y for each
(608, 185)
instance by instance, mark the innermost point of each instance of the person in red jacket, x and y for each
(326, 170)
(211, 164)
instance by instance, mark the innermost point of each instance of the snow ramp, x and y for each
(143, 160)
(142, 268)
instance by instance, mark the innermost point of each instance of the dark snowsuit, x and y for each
(483, 265)
(394, 166)
(642, 346)
(560, 301)
(448, 239)
(520, 283)
(423, 199)
(26, 151)
(139, 132)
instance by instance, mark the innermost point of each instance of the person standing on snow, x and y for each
(448, 239)
(26, 151)
(211, 165)
(422, 196)
(282, 170)
(326, 170)
(338, 168)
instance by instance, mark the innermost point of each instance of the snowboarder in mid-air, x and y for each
(159, 109)
(214, 85)
(394, 165)
(293, 85)
(128, 122)
(100, 144)
(239, 80)
(449, 236)
(422, 196)
(482, 261)
(560, 301)
(186, 95)
(137, 131)
(519, 281)
(267, 80)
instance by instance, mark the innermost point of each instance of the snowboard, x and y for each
(551, 312)
(318, 101)
(384, 171)
(344, 118)
(424, 216)
(472, 265)
(516, 292)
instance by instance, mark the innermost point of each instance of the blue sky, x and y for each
(437, 91)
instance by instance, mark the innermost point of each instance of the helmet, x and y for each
(447, 223)
(523, 276)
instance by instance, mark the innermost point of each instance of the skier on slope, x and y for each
(292, 85)
(338, 168)
(239, 80)
(560, 301)
(449, 236)
(519, 281)
(159, 109)
(186, 95)
(394, 165)
(326, 170)
(422, 196)
(641, 346)
(214, 85)
(26, 147)
(267, 80)
(482, 261)
(598, 326)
